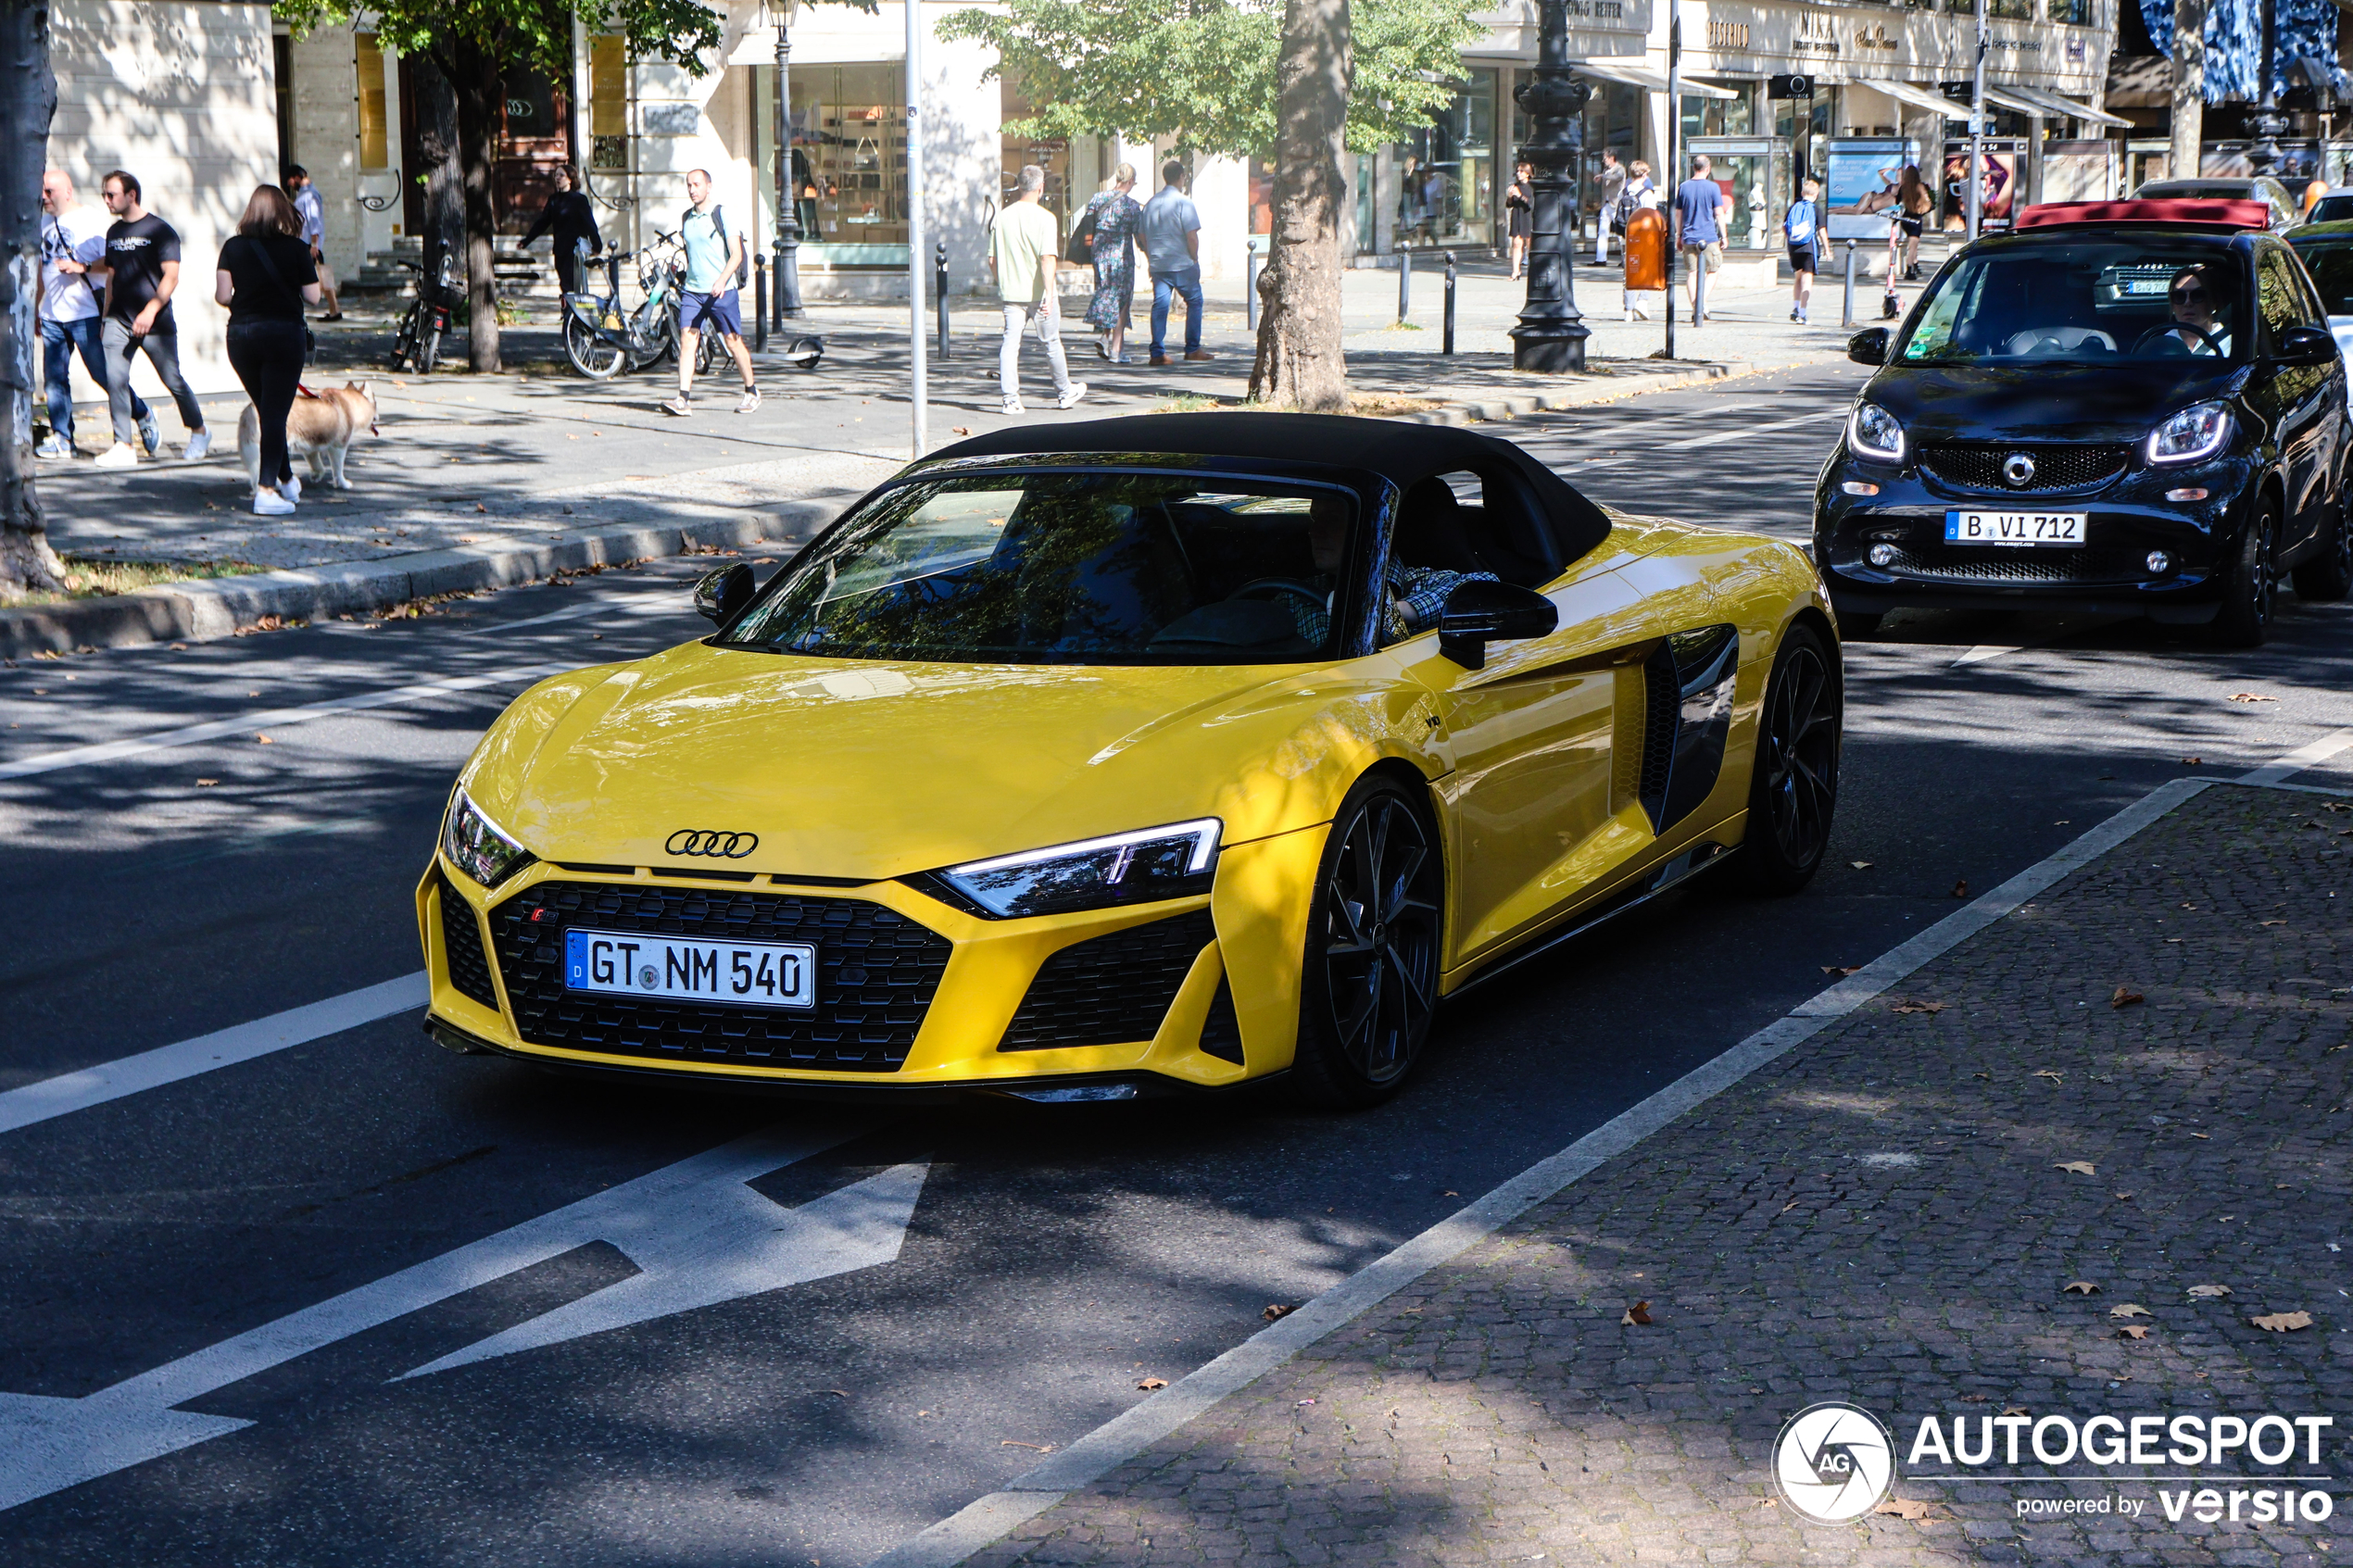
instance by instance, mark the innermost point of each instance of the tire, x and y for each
(590, 354)
(1857, 626)
(1375, 928)
(428, 350)
(404, 343)
(2252, 595)
(1792, 789)
(707, 352)
(2326, 574)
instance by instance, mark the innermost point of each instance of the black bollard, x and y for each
(1447, 346)
(939, 291)
(759, 304)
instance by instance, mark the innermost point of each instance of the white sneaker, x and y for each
(121, 454)
(291, 488)
(1011, 405)
(269, 503)
(680, 407)
(53, 448)
(150, 432)
(1070, 399)
(750, 400)
(199, 444)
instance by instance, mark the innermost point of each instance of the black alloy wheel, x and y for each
(2327, 573)
(2253, 593)
(1792, 790)
(1373, 938)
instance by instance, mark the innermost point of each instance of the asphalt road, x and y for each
(1054, 1257)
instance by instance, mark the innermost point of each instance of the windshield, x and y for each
(2084, 300)
(2331, 209)
(2332, 268)
(1099, 568)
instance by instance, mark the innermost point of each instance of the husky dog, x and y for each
(320, 428)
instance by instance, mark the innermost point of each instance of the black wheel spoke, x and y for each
(1381, 944)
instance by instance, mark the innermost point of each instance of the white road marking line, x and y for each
(2296, 761)
(68, 1092)
(696, 1232)
(1743, 433)
(664, 606)
(264, 718)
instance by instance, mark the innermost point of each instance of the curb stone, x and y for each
(1493, 410)
(219, 607)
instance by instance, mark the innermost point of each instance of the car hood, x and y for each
(2048, 403)
(871, 770)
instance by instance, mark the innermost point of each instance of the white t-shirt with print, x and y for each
(81, 235)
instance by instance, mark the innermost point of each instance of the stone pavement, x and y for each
(1889, 1214)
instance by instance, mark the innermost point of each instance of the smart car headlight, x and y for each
(1872, 432)
(479, 846)
(2200, 431)
(1123, 868)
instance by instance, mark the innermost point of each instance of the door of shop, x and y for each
(534, 136)
(1754, 172)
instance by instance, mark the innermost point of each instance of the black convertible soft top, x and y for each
(1402, 454)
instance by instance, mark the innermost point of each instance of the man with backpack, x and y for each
(707, 295)
(1802, 227)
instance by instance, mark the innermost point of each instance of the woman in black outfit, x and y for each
(265, 279)
(569, 215)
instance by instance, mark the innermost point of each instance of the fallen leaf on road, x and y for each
(1987, 1076)
(1904, 1508)
(1279, 1309)
(2250, 697)
(2209, 1290)
(2081, 1167)
(1860, 865)
(263, 740)
(2131, 1331)
(2207, 1137)
(1302, 1404)
(2270, 923)
(480, 508)
(2128, 1310)
(961, 430)
(2054, 1077)
(2081, 1288)
(1960, 888)
(1637, 1315)
(2192, 761)
(2124, 1198)
(840, 1393)
(1016, 1443)
(1768, 1502)
(2015, 1410)
(2283, 1323)
(1913, 1004)
(1151, 1384)
(2125, 997)
(207, 784)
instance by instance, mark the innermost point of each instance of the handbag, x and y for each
(309, 338)
(1083, 233)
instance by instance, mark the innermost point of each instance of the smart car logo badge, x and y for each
(712, 844)
(2018, 470)
(1834, 1462)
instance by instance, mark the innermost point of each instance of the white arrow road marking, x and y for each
(698, 1233)
(1718, 438)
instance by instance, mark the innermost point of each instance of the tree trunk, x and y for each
(437, 143)
(28, 99)
(480, 97)
(1300, 360)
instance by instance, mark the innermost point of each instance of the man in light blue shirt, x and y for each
(1172, 244)
(707, 295)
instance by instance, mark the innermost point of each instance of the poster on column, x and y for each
(2003, 156)
(1859, 184)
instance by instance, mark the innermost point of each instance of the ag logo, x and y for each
(1834, 1462)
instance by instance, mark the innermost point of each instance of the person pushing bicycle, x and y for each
(707, 295)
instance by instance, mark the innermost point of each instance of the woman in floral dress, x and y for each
(1118, 218)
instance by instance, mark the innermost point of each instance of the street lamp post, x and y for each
(788, 205)
(1551, 334)
(2267, 121)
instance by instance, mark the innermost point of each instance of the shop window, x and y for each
(609, 103)
(368, 60)
(1718, 117)
(1367, 180)
(2077, 13)
(849, 152)
(1446, 172)
(1052, 155)
(2015, 10)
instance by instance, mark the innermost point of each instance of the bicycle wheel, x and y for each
(708, 349)
(428, 350)
(404, 343)
(590, 354)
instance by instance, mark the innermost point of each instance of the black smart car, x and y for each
(2123, 405)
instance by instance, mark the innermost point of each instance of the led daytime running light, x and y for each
(479, 846)
(1870, 415)
(1170, 861)
(2206, 425)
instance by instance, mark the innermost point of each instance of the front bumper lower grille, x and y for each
(1110, 990)
(1945, 564)
(1979, 466)
(461, 952)
(878, 972)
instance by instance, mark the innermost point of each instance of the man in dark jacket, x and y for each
(568, 214)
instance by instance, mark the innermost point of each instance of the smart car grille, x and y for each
(1109, 990)
(2089, 565)
(1979, 466)
(876, 973)
(461, 952)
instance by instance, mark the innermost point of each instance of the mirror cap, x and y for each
(1478, 612)
(1869, 348)
(720, 594)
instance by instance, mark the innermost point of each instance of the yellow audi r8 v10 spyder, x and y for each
(1163, 753)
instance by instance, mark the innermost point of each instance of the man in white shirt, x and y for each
(69, 311)
(313, 213)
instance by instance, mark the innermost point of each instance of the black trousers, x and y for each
(267, 357)
(568, 260)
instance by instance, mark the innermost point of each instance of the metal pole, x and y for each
(788, 202)
(921, 387)
(2267, 122)
(940, 286)
(1699, 288)
(1846, 311)
(1447, 345)
(1250, 288)
(1404, 281)
(1549, 337)
(1976, 130)
(759, 304)
(1674, 154)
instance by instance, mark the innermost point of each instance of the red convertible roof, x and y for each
(2174, 211)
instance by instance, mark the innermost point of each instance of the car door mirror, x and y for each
(1477, 613)
(719, 594)
(1869, 348)
(2305, 345)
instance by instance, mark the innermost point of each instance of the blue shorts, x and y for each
(702, 312)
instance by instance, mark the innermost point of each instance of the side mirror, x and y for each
(2305, 345)
(1869, 347)
(719, 594)
(1480, 613)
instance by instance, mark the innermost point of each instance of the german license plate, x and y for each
(2013, 527)
(764, 975)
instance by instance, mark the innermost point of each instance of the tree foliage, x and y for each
(521, 34)
(1204, 72)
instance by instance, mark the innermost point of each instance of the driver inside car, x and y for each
(1417, 594)
(2195, 300)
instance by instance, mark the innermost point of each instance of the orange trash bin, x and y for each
(1646, 250)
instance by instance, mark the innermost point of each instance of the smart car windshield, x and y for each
(2331, 264)
(1093, 568)
(2093, 299)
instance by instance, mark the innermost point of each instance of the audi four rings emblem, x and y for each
(715, 845)
(2018, 469)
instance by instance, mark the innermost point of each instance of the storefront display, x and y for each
(849, 154)
(1446, 172)
(2004, 157)
(1860, 190)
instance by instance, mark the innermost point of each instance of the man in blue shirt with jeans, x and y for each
(707, 295)
(1701, 212)
(1172, 244)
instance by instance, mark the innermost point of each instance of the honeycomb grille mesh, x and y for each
(876, 974)
(1976, 466)
(1951, 564)
(461, 952)
(1109, 990)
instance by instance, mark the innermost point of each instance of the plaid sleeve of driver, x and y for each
(1315, 621)
(1417, 594)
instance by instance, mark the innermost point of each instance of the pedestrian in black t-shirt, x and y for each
(568, 214)
(142, 270)
(262, 267)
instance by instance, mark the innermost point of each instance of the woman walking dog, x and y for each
(265, 279)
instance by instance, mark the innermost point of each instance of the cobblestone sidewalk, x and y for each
(2138, 1081)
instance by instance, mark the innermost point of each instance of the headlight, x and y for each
(479, 846)
(1124, 867)
(2200, 431)
(1874, 432)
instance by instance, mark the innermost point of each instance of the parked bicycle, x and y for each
(417, 345)
(601, 342)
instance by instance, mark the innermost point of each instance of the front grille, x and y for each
(461, 952)
(1109, 990)
(1978, 466)
(876, 973)
(1948, 564)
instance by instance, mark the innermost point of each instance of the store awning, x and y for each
(2013, 98)
(1918, 97)
(1647, 79)
(2054, 106)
